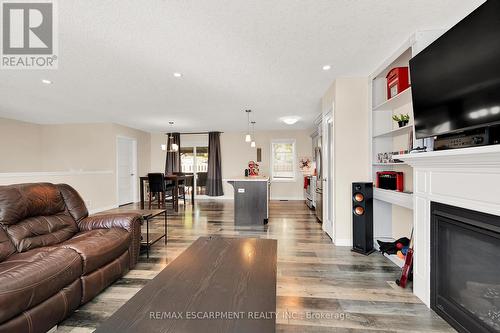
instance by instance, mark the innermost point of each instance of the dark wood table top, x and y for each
(146, 213)
(170, 177)
(215, 276)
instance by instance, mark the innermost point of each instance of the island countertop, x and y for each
(248, 179)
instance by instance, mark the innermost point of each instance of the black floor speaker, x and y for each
(362, 218)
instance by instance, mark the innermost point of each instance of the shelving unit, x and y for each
(392, 257)
(395, 259)
(396, 102)
(393, 211)
(389, 164)
(402, 199)
(397, 131)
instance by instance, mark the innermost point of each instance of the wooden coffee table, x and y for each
(215, 276)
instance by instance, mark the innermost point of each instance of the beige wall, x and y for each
(351, 126)
(236, 153)
(77, 147)
(157, 155)
(82, 155)
(20, 146)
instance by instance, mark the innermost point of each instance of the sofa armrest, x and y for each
(107, 221)
(131, 222)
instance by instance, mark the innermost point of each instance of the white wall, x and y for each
(351, 122)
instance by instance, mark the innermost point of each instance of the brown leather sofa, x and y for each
(54, 257)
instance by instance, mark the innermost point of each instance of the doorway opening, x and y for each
(194, 161)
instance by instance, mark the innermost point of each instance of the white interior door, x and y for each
(328, 175)
(126, 170)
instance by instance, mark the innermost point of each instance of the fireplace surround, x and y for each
(465, 178)
(465, 268)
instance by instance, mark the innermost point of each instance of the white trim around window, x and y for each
(293, 172)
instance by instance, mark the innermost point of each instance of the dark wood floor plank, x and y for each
(313, 275)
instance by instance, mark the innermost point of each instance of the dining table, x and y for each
(176, 179)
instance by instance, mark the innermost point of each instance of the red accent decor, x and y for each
(397, 81)
(407, 267)
(390, 180)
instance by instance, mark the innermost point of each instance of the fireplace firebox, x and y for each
(465, 268)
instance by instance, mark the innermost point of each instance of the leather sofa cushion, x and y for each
(39, 231)
(18, 202)
(74, 202)
(44, 316)
(6, 246)
(98, 247)
(29, 278)
(95, 282)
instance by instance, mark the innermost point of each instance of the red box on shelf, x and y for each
(397, 81)
(390, 180)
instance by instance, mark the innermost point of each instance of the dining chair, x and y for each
(182, 187)
(159, 187)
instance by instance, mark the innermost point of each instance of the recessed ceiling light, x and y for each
(46, 81)
(177, 74)
(326, 67)
(290, 120)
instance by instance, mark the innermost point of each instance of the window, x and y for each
(283, 160)
(194, 159)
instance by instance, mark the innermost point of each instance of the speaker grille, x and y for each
(358, 197)
(359, 211)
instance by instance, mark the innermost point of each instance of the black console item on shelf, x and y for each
(477, 137)
(362, 218)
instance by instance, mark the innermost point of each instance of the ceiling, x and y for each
(117, 59)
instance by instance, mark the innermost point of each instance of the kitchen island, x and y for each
(251, 200)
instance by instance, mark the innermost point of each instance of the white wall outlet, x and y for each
(241, 190)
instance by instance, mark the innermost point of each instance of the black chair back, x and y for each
(156, 182)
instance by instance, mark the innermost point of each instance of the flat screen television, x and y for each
(456, 80)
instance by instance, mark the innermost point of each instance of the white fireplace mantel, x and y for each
(467, 178)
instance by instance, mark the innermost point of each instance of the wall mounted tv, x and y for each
(456, 80)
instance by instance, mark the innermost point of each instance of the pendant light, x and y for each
(248, 137)
(253, 135)
(170, 147)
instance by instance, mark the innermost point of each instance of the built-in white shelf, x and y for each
(395, 259)
(388, 164)
(397, 101)
(395, 132)
(392, 257)
(402, 199)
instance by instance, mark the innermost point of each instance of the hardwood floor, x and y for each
(321, 287)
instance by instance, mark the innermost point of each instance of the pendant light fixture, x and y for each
(253, 135)
(248, 137)
(170, 147)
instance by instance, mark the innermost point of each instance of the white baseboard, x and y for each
(102, 209)
(288, 198)
(343, 242)
(222, 197)
(227, 197)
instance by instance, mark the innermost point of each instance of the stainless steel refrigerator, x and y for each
(319, 184)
